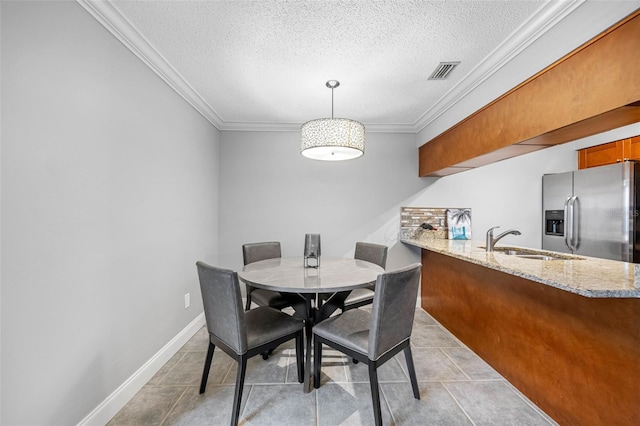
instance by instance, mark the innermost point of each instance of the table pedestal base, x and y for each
(304, 309)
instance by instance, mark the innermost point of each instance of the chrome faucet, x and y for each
(491, 242)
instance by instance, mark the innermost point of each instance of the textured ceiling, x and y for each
(264, 64)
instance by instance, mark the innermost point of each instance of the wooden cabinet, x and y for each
(591, 90)
(633, 148)
(575, 357)
(609, 153)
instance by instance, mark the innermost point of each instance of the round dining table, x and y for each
(334, 278)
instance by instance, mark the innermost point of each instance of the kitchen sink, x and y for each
(533, 254)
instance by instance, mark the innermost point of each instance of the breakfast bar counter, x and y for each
(565, 332)
(586, 276)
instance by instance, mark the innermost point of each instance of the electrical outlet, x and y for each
(187, 300)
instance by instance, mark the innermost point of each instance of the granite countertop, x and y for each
(586, 276)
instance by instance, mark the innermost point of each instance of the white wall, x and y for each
(268, 191)
(109, 197)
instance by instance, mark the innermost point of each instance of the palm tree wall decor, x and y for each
(459, 224)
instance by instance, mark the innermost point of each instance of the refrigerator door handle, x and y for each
(568, 220)
(573, 239)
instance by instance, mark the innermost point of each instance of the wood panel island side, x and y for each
(566, 333)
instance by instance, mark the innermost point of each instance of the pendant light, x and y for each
(332, 139)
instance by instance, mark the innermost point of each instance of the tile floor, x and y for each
(456, 388)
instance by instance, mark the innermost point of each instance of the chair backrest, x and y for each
(374, 253)
(394, 306)
(254, 252)
(223, 306)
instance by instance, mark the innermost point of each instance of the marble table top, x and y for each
(288, 274)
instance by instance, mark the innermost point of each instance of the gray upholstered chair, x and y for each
(375, 337)
(241, 334)
(253, 253)
(374, 253)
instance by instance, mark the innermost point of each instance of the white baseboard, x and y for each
(118, 399)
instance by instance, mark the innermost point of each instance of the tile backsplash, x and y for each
(411, 219)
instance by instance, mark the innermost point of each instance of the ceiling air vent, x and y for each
(443, 70)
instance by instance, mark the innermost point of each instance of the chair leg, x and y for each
(248, 305)
(300, 355)
(266, 354)
(375, 393)
(317, 362)
(237, 398)
(207, 367)
(412, 371)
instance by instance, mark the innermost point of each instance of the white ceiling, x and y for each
(262, 65)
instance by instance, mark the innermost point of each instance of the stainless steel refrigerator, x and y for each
(592, 212)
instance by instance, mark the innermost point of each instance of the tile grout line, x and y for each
(457, 403)
(286, 372)
(456, 364)
(400, 364)
(186, 388)
(175, 404)
(164, 376)
(386, 401)
(243, 408)
(317, 400)
(451, 335)
(347, 376)
(228, 370)
(530, 403)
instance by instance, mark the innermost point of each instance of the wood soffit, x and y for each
(593, 89)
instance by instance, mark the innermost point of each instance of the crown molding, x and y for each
(111, 18)
(545, 18)
(295, 127)
(390, 128)
(252, 126)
